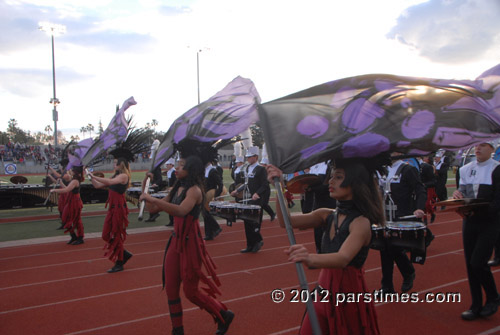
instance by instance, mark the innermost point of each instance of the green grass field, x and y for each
(47, 228)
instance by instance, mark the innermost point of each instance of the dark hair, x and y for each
(78, 173)
(195, 175)
(365, 191)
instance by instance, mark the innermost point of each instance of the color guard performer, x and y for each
(344, 248)
(72, 212)
(480, 180)
(114, 231)
(186, 254)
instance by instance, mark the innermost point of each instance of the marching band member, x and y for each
(62, 175)
(186, 254)
(257, 190)
(213, 188)
(480, 180)
(409, 195)
(71, 215)
(345, 246)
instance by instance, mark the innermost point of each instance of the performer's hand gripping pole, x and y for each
(298, 265)
(154, 149)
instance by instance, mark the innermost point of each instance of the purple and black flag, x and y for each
(366, 115)
(223, 116)
(115, 132)
(79, 151)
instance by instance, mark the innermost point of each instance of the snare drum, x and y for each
(409, 235)
(378, 237)
(212, 207)
(248, 212)
(226, 210)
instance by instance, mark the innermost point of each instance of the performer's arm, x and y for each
(193, 197)
(494, 207)
(359, 236)
(122, 178)
(73, 184)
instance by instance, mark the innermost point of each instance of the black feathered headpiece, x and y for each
(64, 155)
(135, 143)
(375, 164)
(206, 151)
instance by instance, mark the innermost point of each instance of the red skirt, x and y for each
(61, 202)
(348, 317)
(114, 230)
(72, 214)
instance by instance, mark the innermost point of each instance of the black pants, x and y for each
(252, 228)
(479, 239)
(389, 256)
(211, 225)
(268, 209)
(497, 247)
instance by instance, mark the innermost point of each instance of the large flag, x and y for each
(115, 132)
(80, 149)
(366, 115)
(223, 116)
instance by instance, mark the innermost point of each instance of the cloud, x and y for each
(29, 82)
(450, 31)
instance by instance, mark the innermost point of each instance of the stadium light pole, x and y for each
(52, 29)
(198, 69)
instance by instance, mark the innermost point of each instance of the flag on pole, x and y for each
(370, 114)
(115, 132)
(223, 116)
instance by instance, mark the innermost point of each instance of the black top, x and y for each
(409, 193)
(333, 245)
(214, 181)
(76, 190)
(119, 188)
(178, 198)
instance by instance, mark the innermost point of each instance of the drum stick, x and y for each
(154, 149)
(222, 196)
(407, 217)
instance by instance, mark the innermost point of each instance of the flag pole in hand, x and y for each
(154, 150)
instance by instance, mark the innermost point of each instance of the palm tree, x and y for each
(154, 123)
(83, 130)
(75, 138)
(48, 129)
(90, 129)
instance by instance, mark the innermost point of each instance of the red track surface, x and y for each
(61, 289)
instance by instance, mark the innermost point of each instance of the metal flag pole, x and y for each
(313, 318)
(298, 265)
(154, 150)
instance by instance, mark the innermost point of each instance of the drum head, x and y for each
(18, 180)
(404, 225)
(301, 182)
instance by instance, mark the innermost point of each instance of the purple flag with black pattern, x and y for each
(79, 151)
(223, 116)
(115, 132)
(366, 115)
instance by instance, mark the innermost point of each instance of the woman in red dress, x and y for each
(344, 248)
(186, 254)
(63, 176)
(71, 215)
(114, 231)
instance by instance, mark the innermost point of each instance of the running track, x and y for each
(53, 288)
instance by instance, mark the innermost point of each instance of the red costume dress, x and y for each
(343, 318)
(184, 258)
(61, 200)
(72, 212)
(114, 231)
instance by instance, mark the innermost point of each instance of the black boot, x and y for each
(73, 238)
(117, 267)
(126, 256)
(78, 241)
(178, 330)
(223, 326)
